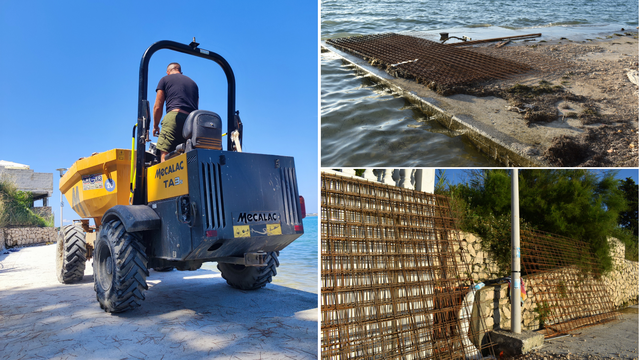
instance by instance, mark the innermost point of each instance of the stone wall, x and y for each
(622, 282)
(28, 236)
(492, 308)
(483, 266)
(492, 304)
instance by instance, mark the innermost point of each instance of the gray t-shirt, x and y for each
(180, 92)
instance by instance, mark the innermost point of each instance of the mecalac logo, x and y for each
(169, 169)
(257, 217)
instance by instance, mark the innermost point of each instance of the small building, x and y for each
(40, 185)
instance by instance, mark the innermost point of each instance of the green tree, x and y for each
(441, 182)
(629, 218)
(575, 203)
(488, 192)
(627, 232)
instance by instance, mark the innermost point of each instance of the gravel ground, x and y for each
(617, 339)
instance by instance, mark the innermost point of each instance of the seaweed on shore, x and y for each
(606, 145)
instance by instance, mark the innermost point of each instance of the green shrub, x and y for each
(542, 313)
(15, 207)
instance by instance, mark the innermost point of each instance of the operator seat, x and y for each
(203, 130)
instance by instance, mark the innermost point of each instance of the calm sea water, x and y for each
(298, 261)
(365, 125)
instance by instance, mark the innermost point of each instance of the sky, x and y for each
(71, 69)
(456, 176)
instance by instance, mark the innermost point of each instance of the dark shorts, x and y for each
(171, 131)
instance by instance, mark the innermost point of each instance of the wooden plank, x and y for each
(503, 44)
(517, 37)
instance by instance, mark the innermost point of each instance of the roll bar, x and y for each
(144, 116)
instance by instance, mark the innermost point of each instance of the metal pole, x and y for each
(515, 255)
(61, 170)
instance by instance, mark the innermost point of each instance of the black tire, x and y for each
(250, 277)
(71, 254)
(119, 268)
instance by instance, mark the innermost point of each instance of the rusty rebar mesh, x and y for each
(567, 287)
(427, 61)
(394, 285)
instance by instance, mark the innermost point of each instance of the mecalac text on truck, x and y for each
(202, 204)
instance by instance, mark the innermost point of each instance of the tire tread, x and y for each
(74, 256)
(250, 277)
(130, 278)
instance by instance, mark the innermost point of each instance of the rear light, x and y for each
(297, 228)
(303, 210)
(211, 233)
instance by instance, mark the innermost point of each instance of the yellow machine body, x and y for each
(168, 179)
(95, 184)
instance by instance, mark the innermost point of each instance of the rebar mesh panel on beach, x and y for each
(393, 280)
(567, 287)
(427, 61)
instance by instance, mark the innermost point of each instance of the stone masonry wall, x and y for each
(492, 304)
(28, 236)
(622, 282)
(483, 266)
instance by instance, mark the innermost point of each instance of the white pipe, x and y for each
(470, 351)
(464, 315)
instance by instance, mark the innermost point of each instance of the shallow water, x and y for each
(298, 261)
(365, 125)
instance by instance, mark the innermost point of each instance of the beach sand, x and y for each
(597, 97)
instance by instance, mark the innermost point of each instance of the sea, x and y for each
(298, 261)
(364, 124)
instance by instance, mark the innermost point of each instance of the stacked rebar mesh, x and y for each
(564, 278)
(394, 285)
(427, 61)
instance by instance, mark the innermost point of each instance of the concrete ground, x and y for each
(617, 339)
(187, 315)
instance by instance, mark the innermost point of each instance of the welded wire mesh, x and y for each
(394, 283)
(566, 283)
(427, 61)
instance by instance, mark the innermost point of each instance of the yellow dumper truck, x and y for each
(202, 204)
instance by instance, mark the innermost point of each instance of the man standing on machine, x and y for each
(181, 94)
